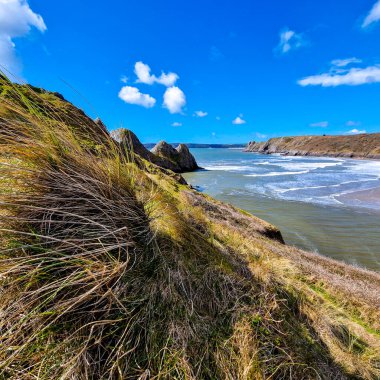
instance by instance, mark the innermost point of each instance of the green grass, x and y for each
(112, 269)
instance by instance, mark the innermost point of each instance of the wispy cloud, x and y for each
(124, 79)
(143, 74)
(200, 114)
(290, 40)
(16, 20)
(373, 15)
(174, 99)
(261, 135)
(239, 120)
(320, 124)
(352, 123)
(132, 95)
(215, 54)
(355, 131)
(176, 124)
(345, 62)
(350, 77)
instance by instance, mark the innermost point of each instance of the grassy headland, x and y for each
(112, 268)
(352, 146)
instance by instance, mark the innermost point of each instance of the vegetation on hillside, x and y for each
(112, 269)
(355, 146)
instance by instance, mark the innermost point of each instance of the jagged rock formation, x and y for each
(180, 159)
(163, 154)
(354, 146)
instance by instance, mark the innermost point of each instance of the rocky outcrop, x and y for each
(353, 146)
(163, 154)
(179, 159)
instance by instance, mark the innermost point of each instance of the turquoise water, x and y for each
(307, 198)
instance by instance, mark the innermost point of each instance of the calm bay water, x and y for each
(310, 199)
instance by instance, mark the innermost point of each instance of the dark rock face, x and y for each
(163, 154)
(186, 160)
(180, 158)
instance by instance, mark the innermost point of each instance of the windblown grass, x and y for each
(110, 269)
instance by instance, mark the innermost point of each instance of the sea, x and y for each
(330, 206)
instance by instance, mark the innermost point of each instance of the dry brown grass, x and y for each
(112, 270)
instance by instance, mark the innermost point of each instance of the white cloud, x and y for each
(345, 62)
(177, 124)
(200, 113)
(290, 40)
(16, 20)
(261, 135)
(144, 76)
(132, 95)
(373, 15)
(353, 77)
(174, 99)
(352, 123)
(355, 131)
(218, 118)
(320, 124)
(124, 79)
(239, 120)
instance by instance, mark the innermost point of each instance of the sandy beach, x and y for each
(365, 198)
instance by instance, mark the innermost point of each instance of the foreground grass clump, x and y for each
(112, 269)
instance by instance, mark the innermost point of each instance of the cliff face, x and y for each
(163, 155)
(178, 160)
(356, 146)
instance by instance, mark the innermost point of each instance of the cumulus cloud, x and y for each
(132, 95)
(200, 113)
(174, 99)
(16, 20)
(320, 124)
(356, 131)
(176, 124)
(345, 62)
(239, 120)
(350, 77)
(289, 40)
(143, 74)
(373, 15)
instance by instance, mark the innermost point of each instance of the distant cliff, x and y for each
(354, 146)
(197, 145)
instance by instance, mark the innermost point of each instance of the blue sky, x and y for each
(226, 71)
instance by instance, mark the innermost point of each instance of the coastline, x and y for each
(321, 155)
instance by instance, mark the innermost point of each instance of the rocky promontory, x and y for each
(178, 160)
(351, 146)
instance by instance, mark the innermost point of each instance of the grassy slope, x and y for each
(360, 146)
(115, 270)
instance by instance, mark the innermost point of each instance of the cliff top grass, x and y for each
(112, 269)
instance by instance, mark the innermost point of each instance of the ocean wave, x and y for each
(274, 174)
(226, 168)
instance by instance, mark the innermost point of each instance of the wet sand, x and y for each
(362, 198)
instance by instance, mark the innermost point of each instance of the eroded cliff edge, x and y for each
(356, 146)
